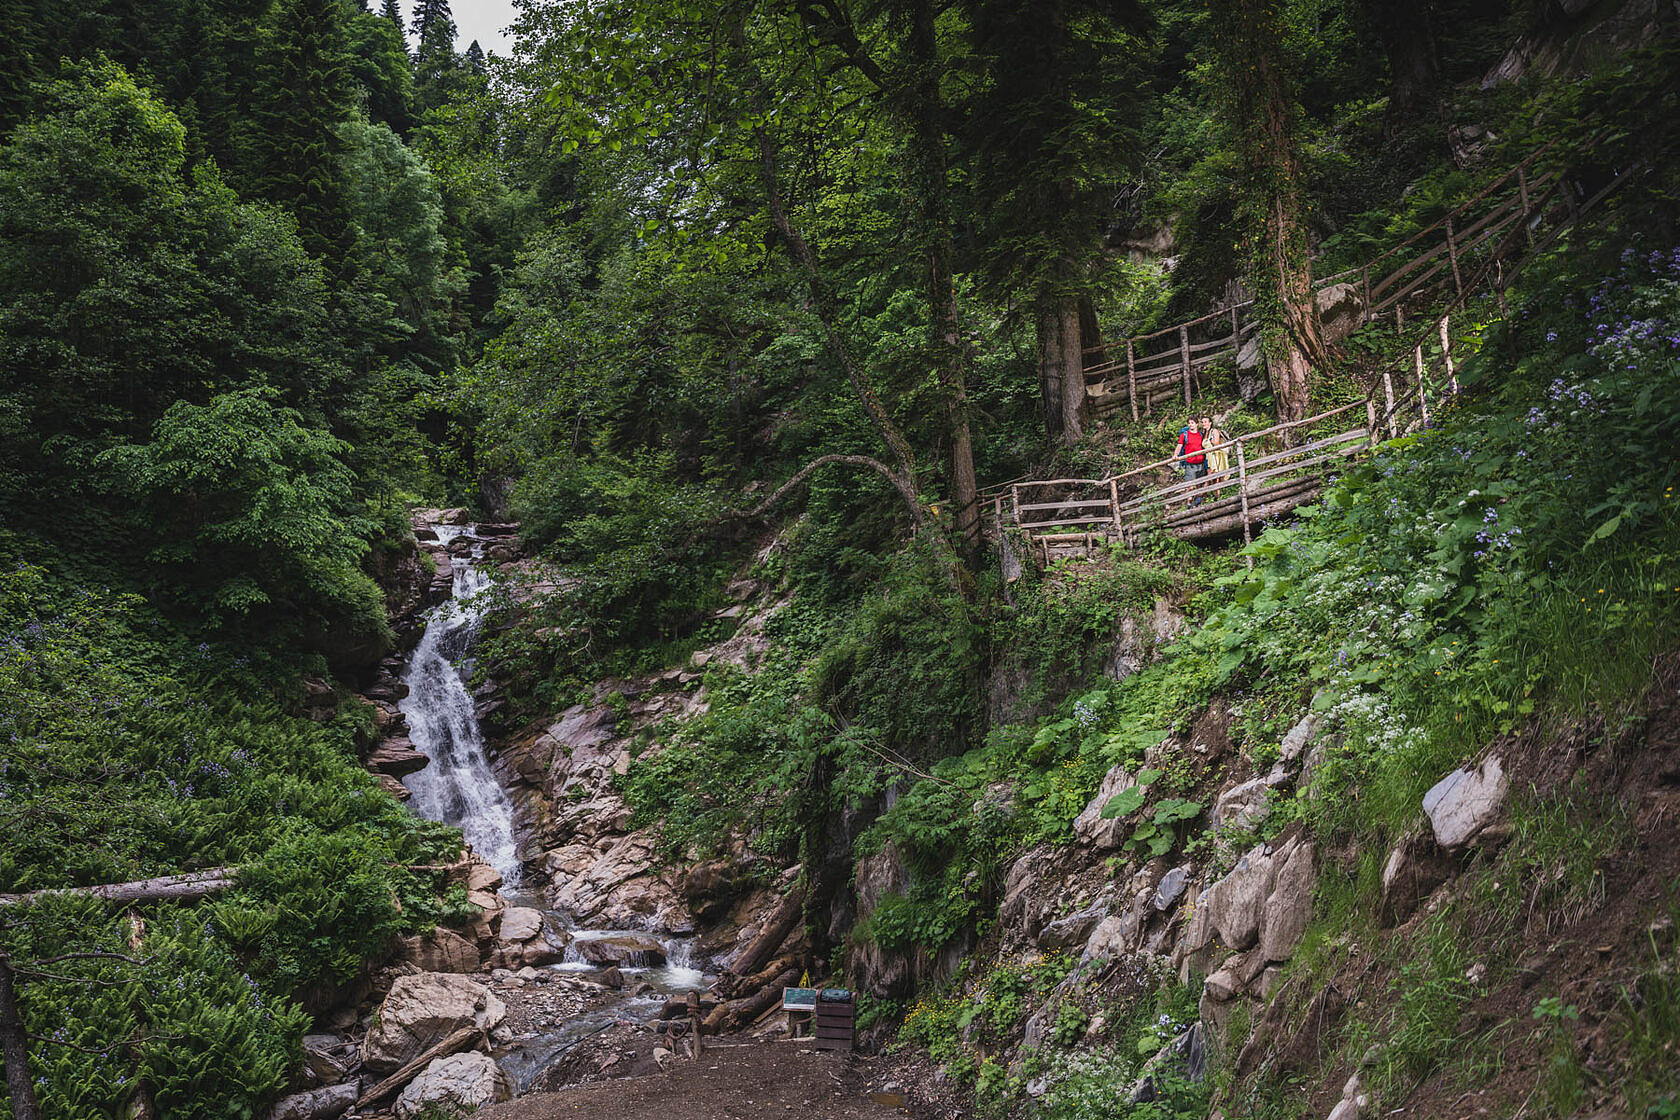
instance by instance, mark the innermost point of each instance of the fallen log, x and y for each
(165, 888)
(1233, 522)
(460, 1040)
(676, 1007)
(769, 972)
(777, 926)
(738, 1013)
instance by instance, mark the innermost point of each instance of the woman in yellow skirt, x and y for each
(1218, 450)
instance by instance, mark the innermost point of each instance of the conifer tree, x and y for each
(436, 65)
(394, 13)
(305, 99)
(475, 59)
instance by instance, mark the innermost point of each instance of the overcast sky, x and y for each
(483, 20)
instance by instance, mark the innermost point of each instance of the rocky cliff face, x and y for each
(1541, 870)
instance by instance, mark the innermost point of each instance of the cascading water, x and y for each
(457, 786)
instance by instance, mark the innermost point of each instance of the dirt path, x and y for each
(731, 1081)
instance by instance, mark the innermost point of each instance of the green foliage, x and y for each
(246, 511)
(984, 1012)
(1070, 1024)
(115, 766)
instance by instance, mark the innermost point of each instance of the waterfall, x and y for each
(457, 786)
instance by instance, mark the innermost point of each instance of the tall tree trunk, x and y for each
(14, 1046)
(1297, 342)
(932, 190)
(1407, 33)
(1263, 109)
(1061, 368)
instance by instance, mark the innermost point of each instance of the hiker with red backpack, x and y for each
(1189, 452)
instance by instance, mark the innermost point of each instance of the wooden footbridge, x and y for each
(1479, 245)
(1507, 218)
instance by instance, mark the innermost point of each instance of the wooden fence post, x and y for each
(1371, 422)
(1446, 352)
(1365, 294)
(1131, 380)
(1184, 360)
(1423, 390)
(1114, 508)
(1015, 503)
(1388, 398)
(1399, 319)
(1242, 493)
(1452, 254)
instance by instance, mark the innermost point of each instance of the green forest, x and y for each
(747, 308)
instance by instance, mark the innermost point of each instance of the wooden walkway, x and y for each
(1271, 472)
(1503, 219)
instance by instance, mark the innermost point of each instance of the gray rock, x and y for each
(1199, 933)
(317, 1104)
(423, 1009)
(1246, 804)
(1465, 802)
(1230, 978)
(1090, 827)
(1171, 887)
(1296, 739)
(627, 948)
(1236, 903)
(521, 923)
(1113, 938)
(1064, 933)
(460, 1083)
(327, 1059)
(1344, 1110)
(1341, 311)
(1289, 907)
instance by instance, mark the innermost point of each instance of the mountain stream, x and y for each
(458, 787)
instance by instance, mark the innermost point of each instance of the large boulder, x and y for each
(1246, 804)
(317, 1104)
(1237, 902)
(395, 756)
(440, 951)
(1465, 802)
(1289, 907)
(1341, 311)
(1065, 933)
(521, 923)
(1171, 887)
(456, 1085)
(1298, 738)
(626, 948)
(423, 1009)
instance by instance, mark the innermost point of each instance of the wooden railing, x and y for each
(1505, 215)
(1262, 481)
(1274, 470)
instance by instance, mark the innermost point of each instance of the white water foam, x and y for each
(456, 787)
